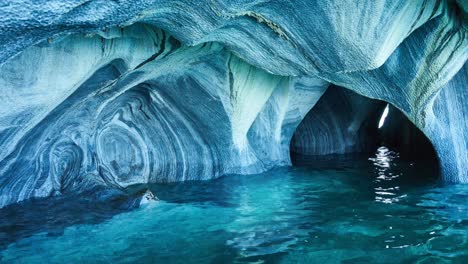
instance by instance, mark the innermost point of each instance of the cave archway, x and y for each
(345, 124)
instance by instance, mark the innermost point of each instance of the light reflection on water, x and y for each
(386, 190)
(374, 211)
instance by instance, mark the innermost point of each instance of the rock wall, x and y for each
(115, 93)
(113, 117)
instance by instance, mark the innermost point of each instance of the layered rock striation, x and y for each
(108, 94)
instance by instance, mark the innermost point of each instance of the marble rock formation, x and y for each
(109, 94)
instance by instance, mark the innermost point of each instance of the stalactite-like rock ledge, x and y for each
(102, 95)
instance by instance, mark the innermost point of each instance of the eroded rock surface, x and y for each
(117, 93)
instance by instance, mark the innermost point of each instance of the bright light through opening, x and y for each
(384, 115)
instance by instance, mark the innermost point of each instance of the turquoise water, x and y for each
(377, 210)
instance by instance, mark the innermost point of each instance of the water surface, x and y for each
(377, 210)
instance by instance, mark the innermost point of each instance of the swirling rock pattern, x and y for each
(182, 113)
(116, 93)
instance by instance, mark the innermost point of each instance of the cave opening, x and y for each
(345, 126)
(384, 116)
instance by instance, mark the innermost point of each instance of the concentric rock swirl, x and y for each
(108, 94)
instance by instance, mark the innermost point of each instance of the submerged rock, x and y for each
(148, 198)
(112, 94)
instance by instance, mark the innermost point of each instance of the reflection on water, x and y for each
(386, 190)
(382, 160)
(377, 211)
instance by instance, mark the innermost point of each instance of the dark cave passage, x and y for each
(344, 122)
(400, 134)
